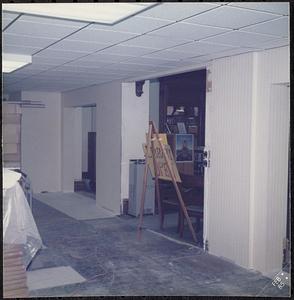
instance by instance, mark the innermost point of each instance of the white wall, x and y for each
(135, 118)
(107, 98)
(41, 141)
(71, 148)
(247, 133)
(154, 102)
(228, 134)
(269, 158)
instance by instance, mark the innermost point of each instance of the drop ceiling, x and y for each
(68, 55)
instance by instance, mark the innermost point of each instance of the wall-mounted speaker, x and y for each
(139, 87)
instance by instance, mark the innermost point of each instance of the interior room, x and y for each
(146, 149)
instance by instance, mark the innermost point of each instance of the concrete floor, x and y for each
(107, 253)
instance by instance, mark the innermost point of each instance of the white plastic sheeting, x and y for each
(19, 226)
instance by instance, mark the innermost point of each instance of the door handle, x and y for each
(206, 158)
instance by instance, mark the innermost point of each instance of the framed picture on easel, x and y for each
(184, 147)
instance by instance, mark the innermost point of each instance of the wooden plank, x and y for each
(14, 274)
(159, 203)
(139, 230)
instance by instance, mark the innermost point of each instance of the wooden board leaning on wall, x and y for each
(163, 172)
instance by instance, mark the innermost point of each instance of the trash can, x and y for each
(136, 175)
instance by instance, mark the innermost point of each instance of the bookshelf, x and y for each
(182, 111)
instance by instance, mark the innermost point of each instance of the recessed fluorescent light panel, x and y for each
(104, 13)
(12, 62)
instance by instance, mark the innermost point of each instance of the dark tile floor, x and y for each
(107, 253)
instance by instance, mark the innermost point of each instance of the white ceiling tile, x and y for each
(274, 44)
(75, 45)
(161, 68)
(129, 67)
(105, 57)
(7, 18)
(188, 31)
(176, 64)
(83, 62)
(225, 53)
(9, 15)
(201, 48)
(281, 8)
(152, 61)
(54, 61)
(136, 24)
(156, 42)
(5, 22)
(19, 49)
(177, 11)
(28, 70)
(112, 72)
(169, 54)
(26, 40)
(231, 17)
(278, 27)
(52, 21)
(70, 74)
(79, 69)
(61, 54)
(190, 61)
(128, 50)
(101, 36)
(57, 73)
(240, 38)
(37, 66)
(40, 29)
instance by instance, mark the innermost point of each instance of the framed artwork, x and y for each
(184, 147)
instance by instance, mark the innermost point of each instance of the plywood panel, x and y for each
(269, 182)
(228, 138)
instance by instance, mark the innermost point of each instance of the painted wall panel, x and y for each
(154, 102)
(247, 133)
(107, 98)
(71, 147)
(41, 141)
(272, 68)
(228, 138)
(135, 117)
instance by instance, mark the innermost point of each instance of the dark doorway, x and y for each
(87, 184)
(92, 160)
(182, 116)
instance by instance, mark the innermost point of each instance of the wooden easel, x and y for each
(170, 175)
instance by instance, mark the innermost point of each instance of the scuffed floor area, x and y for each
(108, 255)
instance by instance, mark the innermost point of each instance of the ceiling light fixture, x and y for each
(104, 13)
(12, 62)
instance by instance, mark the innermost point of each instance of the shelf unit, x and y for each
(182, 105)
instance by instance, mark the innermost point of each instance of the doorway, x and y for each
(87, 184)
(182, 118)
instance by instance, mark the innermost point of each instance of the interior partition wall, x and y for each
(247, 125)
(107, 98)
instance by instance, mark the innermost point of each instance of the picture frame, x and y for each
(184, 148)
